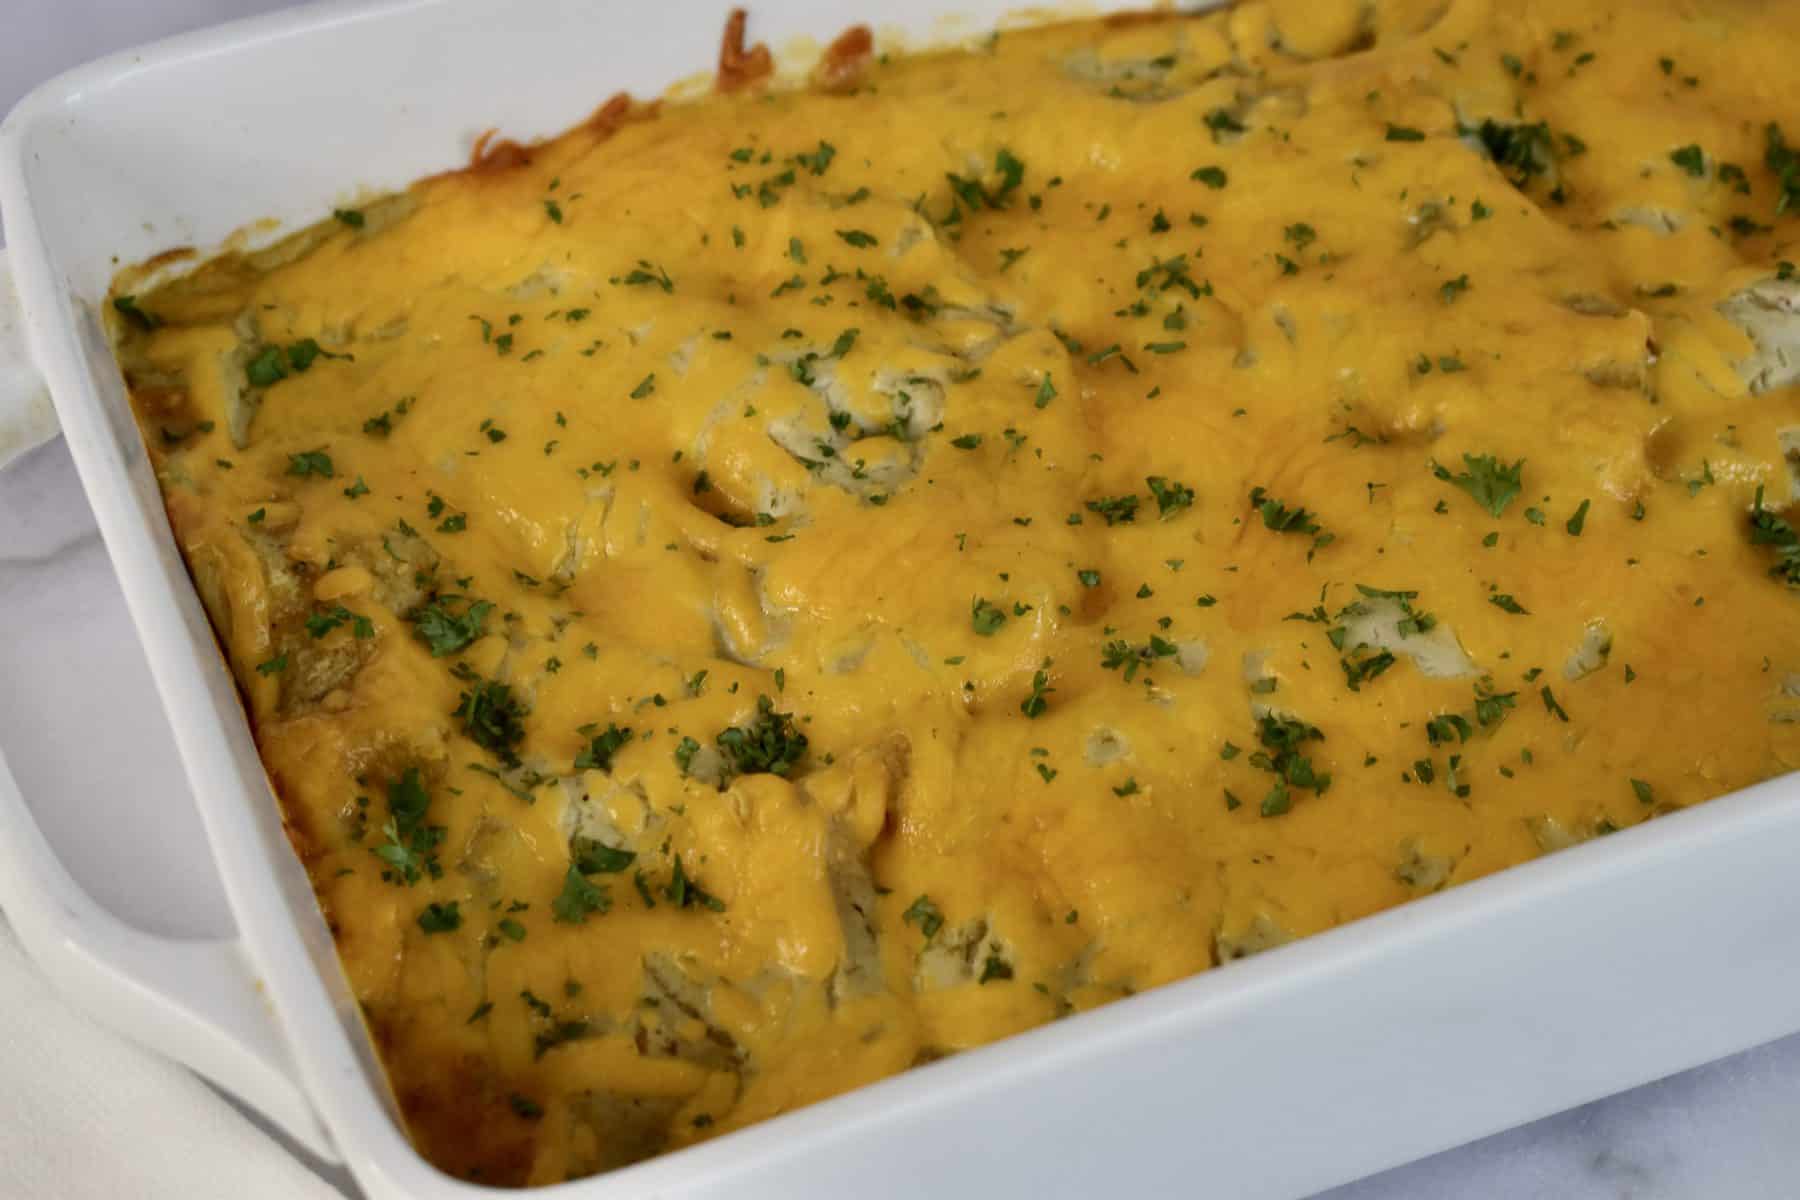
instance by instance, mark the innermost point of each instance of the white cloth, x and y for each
(87, 1114)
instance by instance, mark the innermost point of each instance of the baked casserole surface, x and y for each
(775, 587)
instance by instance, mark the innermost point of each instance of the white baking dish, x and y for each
(1597, 969)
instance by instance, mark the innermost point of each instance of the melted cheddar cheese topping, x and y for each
(761, 592)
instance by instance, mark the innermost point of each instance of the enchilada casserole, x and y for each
(773, 587)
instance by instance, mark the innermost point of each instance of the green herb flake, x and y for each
(1575, 523)
(1690, 158)
(1551, 706)
(441, 917)
(578, 899)
(446, 631)
(986, 618)
(597, 755)
(312, 462)
(926, 915)
(771, 744)
(1492, 484)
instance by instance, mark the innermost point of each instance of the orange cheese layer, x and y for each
(765, 591)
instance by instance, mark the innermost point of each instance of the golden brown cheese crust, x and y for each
(759, 593)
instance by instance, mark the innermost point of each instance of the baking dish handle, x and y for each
(195, 1001)
(26, 418)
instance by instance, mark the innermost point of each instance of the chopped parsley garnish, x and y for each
(986, 618)
(1157, 278)
(266, 369)
(994, 968)
(926, 915)
(1768, 529)
(1223, 124)
(440, 917)
(858, 238)
(1492, 484)
(1282, 519)
(1363, 665)
(411, 847)
(1491, 707)
(683, 892)
(1171, 495)
(1690, 158)
(1120, 653)
(1784, 161)
(1550, 704)
(1282, 739)
(975, 193)
(771, 744)
(349, 216)
(647, 273)
(819, 160)
(493, 718)
(1212, 177)
(272, 364)
(312, 462)
(593, 857)
(323, 622)
(445, 631)
(579, 898)
(843, 343)
(1506, 603)
(598, 754)
(1575, 523)
(1035, 704)
(1117, 510)
(1521, 151)
(1403, 133)
(1446, 728)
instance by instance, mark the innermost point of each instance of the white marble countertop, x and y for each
(70, 665)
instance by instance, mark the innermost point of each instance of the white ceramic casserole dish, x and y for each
(1596, 969)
